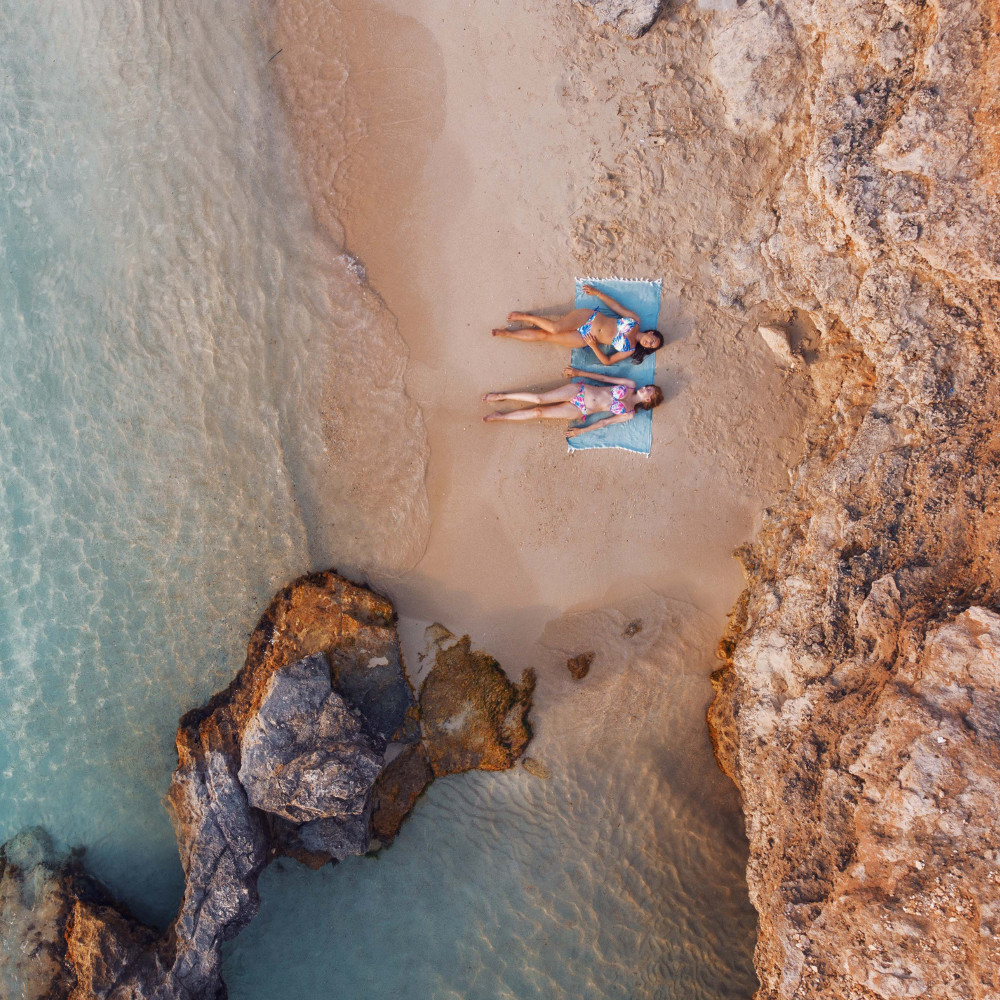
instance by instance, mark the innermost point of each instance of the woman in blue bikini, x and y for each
(593, 328)
(575, 400)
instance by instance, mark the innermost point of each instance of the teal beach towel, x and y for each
(643, 298)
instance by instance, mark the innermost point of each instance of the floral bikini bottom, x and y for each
(617, 407)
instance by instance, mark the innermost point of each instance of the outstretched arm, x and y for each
(609, 302)
(610, 379)
(623, 418)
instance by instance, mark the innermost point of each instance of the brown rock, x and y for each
(36, 897)
(472, 716)
(863, 654)
(579, 666)
(399, 786)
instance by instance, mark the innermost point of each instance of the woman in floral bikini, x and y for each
(577, 399)
(591, 328)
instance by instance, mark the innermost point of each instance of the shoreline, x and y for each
(455, 226)
(410, 198)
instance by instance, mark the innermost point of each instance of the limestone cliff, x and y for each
(857, 708)
(289, 759)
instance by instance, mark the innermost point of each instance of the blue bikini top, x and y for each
(623, 328)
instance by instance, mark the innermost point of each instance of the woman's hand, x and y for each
(570, 372)
(589, 290)
(595, 345)
(574, 431)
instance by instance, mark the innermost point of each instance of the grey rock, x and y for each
(632, 18)
(223, 846)
(371, 680)
(307, 759)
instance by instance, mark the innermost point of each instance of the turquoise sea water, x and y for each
(167, 311)
(165, 306)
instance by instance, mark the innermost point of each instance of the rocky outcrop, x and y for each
(855, 708)
(471, 718)
(37, 895)
(289, 759)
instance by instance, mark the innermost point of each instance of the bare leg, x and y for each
(549, 325)
(560, 395)
(563, 324)
(557, 411)
(563, 338)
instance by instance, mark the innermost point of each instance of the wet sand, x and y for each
(490, 160)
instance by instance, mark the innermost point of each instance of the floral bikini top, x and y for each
(617, 407)
(623, 328)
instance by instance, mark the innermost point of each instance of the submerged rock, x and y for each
(287, 760)
(37, 895)
(399, 786)
(579, 666)
(535, 767)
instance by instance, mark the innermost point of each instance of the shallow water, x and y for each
(619, 875)
(164, 300)
(179, 437)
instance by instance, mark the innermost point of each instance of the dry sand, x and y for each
(493, 153)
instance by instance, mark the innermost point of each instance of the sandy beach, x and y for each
(487, 166)
(252, 260)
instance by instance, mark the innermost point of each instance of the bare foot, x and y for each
(493, 397)
(514, 317)
(501, 333)
(493, 416)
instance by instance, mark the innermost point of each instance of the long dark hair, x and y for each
(641, 353)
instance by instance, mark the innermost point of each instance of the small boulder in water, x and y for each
(535, 767)
(471, 714)
(579, 666)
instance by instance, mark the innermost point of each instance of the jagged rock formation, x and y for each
(36, 899)
(289, 759)
(857, 708)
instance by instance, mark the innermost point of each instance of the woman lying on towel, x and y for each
(577, 400)
(590, 327)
